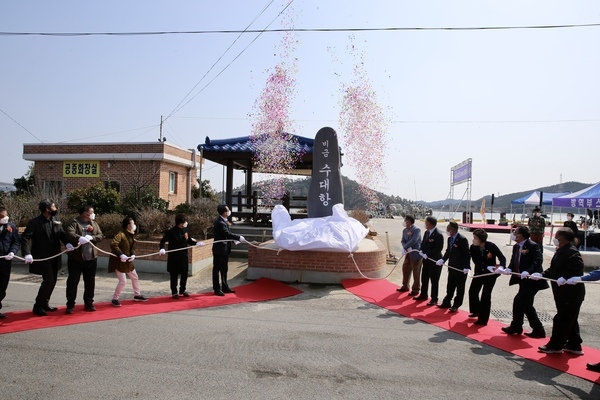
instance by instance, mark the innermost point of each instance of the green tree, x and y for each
(104, 201)
(25, 183)
(140, 197)
(204, 191)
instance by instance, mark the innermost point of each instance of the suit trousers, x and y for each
(481, 306)
(523, 306)
(49, 276)
(456, 282)
(5, 267)
(182, 282)
(430, 272)
(220, 267)
(412, 268)
(87, 268)
(565, 328)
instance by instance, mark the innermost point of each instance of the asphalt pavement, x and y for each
(322, 344)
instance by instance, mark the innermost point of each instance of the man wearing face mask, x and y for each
(569, 223)
(45, 233)
(83, 230)
(178, 238)
(411, 240)
(9, 246)
(221, 248)
(566, 263)
(459, 257)
(537, 226)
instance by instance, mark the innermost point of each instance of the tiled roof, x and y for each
(244, 144)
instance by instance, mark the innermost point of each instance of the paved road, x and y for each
(322, 344)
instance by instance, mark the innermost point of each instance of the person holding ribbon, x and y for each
(9, 246)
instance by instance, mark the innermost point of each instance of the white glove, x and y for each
(491, 268)
(199, 243)
(574, 280)
(439, 262)
(524, 275)
(123, 257)
(403, 253)
(83, 240)
(423, 255)
(500, 270)
(89, 237)
(242, 239)
(28, 259)
(69, 247)
(507, 271)
(9, 256)
(535, 276)
(466, 271)
(162, 252)
(130, 259)
(561, 281)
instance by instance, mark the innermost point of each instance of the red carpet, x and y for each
(383, 294)
(260, 290)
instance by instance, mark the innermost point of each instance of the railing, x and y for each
(250, 207)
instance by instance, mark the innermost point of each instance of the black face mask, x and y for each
(53, 213)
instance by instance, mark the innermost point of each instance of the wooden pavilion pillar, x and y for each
(229, 183)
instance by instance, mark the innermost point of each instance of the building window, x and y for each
(112, 185)
(53, 189)
(172, 182)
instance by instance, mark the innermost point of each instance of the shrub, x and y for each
(153, 222)
(110, 224)
(103, 200)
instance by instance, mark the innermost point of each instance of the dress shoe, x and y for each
(402, 289)
(444, 305)
(593, 367)
(219, 293)
(2, 316)
(69, 310)
(413, 293)
(227, 290)
(184, 294)
(89, 308)
(432, 303)
(472, 315)
(175, 296)
(536, 334)
(511, 331)
(480, 323)
(50, 308)
(420, 298)
(549, 350)
(453, 309)
(39, 312)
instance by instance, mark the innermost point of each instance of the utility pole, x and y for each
(160, 132)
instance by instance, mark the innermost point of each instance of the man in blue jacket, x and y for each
(9, 246)
(411, 240)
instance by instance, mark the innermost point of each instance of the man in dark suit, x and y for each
(431, 251)
(526, 259)
(221, 249)
(566, 263)
(459, 258)
(45, 233)
(9, 246)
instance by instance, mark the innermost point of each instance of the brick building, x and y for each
(62, 167)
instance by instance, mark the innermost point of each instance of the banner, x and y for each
(461, 172)
(81, 169)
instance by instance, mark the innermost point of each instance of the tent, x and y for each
(534, 199)
(588, 197)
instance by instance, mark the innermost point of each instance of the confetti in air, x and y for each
(277, 149)
(364, 128)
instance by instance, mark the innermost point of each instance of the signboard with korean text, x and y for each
(81, 169)
(325, 188)
(461, 172)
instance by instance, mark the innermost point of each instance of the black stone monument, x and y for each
(325, 188)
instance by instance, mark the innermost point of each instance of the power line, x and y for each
(496, 121)
(15, 121)
(234, 31)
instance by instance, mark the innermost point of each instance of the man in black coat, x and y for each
(45, 233)
(526, 259)
(9, 246)
(459, 258)
(221, 248)
(566, 263)
(431, 251)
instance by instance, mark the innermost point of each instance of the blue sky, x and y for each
(522, 103)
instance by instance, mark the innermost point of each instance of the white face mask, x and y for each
(92, 216)
(513, 237)
(555, 242)
(229, 213)
(404, 224)
(132, 227)
(536, 214)
(185, 224)
(569, 218)
(448, 233)
(4, 221)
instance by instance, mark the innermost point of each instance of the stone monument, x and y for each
(325, 188)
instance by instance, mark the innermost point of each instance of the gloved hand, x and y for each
(9, 256)
(162, 252)
(242, 239)
(561, 281)
(83, 240)
(524, 275)
(28, 259)
(439, 262)
(574, 280)
(423, 255)
(123, 257)
(130, 259)
(499, 270)
(89, 237)
(402, 253)
(535, 276)
(507, 271)
(199, 243)
(69, 247)
(491, 269)
(466, 271)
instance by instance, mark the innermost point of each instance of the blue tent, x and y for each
(588, 197)
(534, 198)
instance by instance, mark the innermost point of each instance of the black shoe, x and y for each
(219, 293)
(39, 312)
(50, 308)
(69, 310)
(2, 316)
(453, 309)
(549, 350)
(175, 296)
(420, 298)
(413, 293)
(536, 334)
(480, 323)
(184, 294)
(402, 289)
(432, 303)
(444, 305)
(89, 308)
(472, 315)
(593, 367)
(511, 331)
(227, 290)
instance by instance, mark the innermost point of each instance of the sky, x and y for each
(523, 104)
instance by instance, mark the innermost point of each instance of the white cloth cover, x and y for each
(337, 232)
